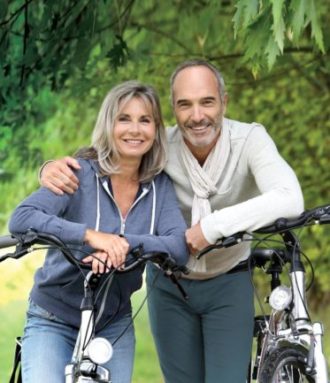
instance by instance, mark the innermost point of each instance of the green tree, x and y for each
(58, 59)
(47, 43)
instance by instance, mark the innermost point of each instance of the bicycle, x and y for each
(90, 352)
(289, 345)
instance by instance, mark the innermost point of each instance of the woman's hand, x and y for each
(100, 262)
(112, 250)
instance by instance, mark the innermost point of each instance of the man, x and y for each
(228, 177)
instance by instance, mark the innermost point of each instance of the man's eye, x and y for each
(183, 106)
(207, 102)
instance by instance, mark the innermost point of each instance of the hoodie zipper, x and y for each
(122, 219)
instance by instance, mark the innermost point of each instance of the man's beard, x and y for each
(214, 125)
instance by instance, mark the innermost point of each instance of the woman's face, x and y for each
(135, 129)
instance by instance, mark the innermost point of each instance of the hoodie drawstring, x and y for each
(153, 212)
(97, 223)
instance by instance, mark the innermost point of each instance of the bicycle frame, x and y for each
(82, 368)
(292, 325)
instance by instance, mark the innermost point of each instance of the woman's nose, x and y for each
(134, 127)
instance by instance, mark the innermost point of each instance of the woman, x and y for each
(123, 200)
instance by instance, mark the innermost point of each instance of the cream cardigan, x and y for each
(256, 187)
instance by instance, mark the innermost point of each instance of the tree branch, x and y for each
(106, 27)
(16, 13)
(25, 38)
(318, 85)
(162, 33)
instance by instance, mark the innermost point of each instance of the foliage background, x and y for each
(58, 60)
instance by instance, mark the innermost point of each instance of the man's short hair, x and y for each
(200, 62)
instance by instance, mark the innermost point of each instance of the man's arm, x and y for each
(280, 192)
(58, 175)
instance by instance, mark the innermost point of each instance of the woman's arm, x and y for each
(170, 225)
(43, 211)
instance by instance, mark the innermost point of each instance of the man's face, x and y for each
(197, 106)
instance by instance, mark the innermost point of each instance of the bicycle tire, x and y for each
(286, 365)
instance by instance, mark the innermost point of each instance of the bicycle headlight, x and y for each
(99, 350)
(280, 298)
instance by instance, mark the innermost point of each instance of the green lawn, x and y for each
(11, 324)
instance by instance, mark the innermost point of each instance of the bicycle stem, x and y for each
(299, 311)
(297, 277)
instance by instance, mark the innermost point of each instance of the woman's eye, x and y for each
(122, 118)
(146, 120)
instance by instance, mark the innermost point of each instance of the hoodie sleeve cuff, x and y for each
(73, 233)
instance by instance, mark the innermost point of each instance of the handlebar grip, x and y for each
(184, 270)
(7, 241)
(325, 219)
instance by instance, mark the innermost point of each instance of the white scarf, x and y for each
(203, 180)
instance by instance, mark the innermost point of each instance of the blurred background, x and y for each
(59, 59)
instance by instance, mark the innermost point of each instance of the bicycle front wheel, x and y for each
(285, 365)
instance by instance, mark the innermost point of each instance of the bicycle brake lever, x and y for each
(137, 251)
(226, 242)
(174, 279)
(18, 253)
(208, 249)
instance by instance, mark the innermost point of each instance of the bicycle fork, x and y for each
(320, 364)
(316, 362)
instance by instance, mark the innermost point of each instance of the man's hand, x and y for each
(195, 239)
(58, 176)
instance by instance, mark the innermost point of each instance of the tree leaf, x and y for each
(278, 25)
(272, 51)
(257, 35)
(238, 17)
(251, 11)
(316, 28)
(246, 12)
(298, 8)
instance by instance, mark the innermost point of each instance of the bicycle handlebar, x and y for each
(318, 215)
(164, 260)
(24, 242)
(8, 241)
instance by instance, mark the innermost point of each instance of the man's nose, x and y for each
(197, 114)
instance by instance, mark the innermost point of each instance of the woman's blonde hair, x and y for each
(103, 144)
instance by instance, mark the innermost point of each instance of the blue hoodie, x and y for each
(153, 220)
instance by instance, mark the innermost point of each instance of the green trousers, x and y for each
(208, 338)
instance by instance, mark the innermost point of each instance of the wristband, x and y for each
(42, 168)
